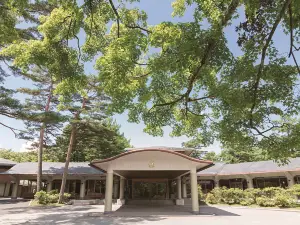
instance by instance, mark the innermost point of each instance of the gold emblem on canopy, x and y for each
(151, 164)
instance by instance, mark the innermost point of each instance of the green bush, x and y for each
(200, 193)
(265, 201)
(284, 200)
(211, 199)
(218, 194)
(232, 196)
(51, 197)
(295, 190)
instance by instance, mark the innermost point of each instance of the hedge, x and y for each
(46, 198)
(267, 197)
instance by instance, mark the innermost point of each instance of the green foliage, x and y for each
(232, 195)
(97, 140)
(45, 198)
(211, 199)
(267, 197)
(179, 74)
(30, 156)
(295, 190)
(265, 201)
(200, 193)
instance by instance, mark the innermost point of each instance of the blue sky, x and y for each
(158, 11)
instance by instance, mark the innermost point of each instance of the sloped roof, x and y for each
(75, 168)
(250, 167)
(6, 162)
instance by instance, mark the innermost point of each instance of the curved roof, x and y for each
(186, 151)
(152, 149)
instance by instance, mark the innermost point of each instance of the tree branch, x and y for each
(264, 50)
(11, 128)
(117, 15)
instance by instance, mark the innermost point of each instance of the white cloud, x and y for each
(28, 146)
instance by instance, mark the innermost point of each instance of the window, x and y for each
(206, 185)
(263, 182)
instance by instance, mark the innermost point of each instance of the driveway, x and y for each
(137, 215)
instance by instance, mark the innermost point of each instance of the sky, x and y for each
(158, 11)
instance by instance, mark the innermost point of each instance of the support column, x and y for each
(82, 189)
(179, 188)
(249, 181)
(217, 184)
(14, 194)
(115, 193)
(184, 193)
(290, 179)
(108, 192)
(121, 200)
(49, 185)
(167, 190)
(7, 188)
(179, 200)
(194, 191)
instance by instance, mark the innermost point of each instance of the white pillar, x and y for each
(179, 188)
(249, 182)
(115, 193)
(122, 186)
(49, 185)
(108, 192)
(82, 189)
(217, 184)
(7, 187)
(14, 194)
(194, 191)
(184, 193)
(290, 179)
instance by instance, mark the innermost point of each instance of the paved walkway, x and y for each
(139, 215)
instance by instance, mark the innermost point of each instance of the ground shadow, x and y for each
(169, 210)
(210, 210)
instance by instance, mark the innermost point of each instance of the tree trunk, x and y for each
(70, 149)
(41, 144)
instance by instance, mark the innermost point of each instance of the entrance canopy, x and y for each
(162, 162)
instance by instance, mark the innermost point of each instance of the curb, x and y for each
(256, 208)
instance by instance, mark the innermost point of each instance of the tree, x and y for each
(12, 13)
(98, 140)
(193, 83)
(46, 121)
(30, 156)
(86, 108)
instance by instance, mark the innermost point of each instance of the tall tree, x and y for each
(85, 108)
(46, 121)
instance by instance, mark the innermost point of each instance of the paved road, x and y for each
(87, 215)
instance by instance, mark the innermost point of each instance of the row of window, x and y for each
(260, 182)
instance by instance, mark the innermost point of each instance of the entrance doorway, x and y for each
(149, 189)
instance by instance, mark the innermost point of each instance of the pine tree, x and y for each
(46, 121)
(85, 108)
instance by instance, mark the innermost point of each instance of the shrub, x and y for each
(42, 197)
(218, 194)
(295, 190)
(51, 197)
(200, 193)
(283, 199)
(211, 199)
(265, 201)
(232, 196)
